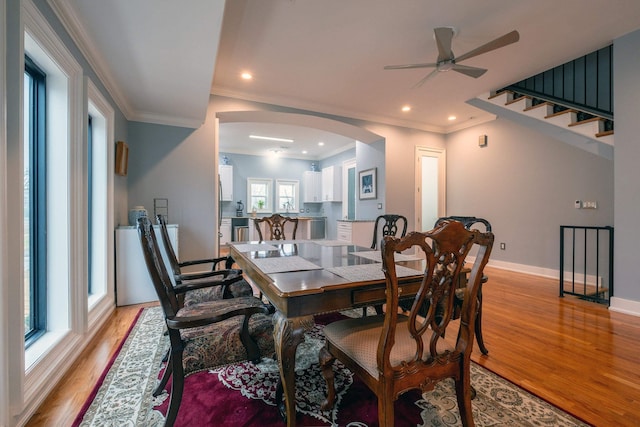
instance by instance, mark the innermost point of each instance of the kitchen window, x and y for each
(259, 195)
(287, 195)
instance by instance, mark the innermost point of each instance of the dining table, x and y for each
(304, 278)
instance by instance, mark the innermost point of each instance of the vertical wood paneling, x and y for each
(584, 83)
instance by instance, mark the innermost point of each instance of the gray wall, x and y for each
(525, 184)
(177, 164)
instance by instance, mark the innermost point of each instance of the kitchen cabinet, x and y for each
(358, 232)
(225, 231)
(312, 187)
(332, 184)
(226, 182)
(133, 283)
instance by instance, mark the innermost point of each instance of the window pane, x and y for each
(34, 201)
(90, 203)
(28, 324)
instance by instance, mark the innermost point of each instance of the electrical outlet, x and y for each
(503, 246)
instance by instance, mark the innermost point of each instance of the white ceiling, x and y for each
(159, 56)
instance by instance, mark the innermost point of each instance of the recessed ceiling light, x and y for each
(451, 118)
(321, 143)
(270, 138)
(304, 151)
(406, 108)
(246, 76)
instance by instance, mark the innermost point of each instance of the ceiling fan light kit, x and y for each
(447, 61)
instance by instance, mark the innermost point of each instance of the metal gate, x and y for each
(586, 262)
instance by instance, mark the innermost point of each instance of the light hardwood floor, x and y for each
(574, 354)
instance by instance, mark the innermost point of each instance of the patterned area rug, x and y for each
(244, 394)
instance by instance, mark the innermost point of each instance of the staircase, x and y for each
(578, 128)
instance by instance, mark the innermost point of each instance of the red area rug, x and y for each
(243, 395)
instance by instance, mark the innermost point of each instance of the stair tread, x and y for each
(495, 95)
(513, 101)
(605, 133)
(542, 104)
(559, 113)
(589, 120)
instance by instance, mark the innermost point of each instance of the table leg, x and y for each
(288, 334)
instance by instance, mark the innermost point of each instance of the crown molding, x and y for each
(159, 119)
(67, 15)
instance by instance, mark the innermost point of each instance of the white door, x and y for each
(430, 186)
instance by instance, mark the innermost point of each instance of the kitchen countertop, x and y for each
(356, 220)
(301, 218)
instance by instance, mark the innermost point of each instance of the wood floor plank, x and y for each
(575, 354)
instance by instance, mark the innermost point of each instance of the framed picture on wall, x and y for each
(367, 184)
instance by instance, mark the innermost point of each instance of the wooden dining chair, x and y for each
(393, 353)
(205, 335)
(275, 227)
(207, 285)
(387, 225)
(470, 222)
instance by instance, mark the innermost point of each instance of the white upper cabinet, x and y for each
(226, 182)
(312, 186)
(332, 184)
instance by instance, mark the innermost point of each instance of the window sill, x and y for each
(40, 347)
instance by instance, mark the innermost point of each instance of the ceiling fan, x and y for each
(448, 61)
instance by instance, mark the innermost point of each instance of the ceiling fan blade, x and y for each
(425, 78)
(505, 40)
(406, 66)
(474, 72)
(444, 35)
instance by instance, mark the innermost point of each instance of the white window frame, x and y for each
(66, 273)
(103, 124)
(268, 206)
(295, 207)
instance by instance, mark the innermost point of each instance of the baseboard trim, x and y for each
(523, 268)
(626, 306)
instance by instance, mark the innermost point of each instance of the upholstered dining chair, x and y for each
(206, 285)
(275, 227)
(389, 224)
(393, 353)
(205, 335)
(469, 222)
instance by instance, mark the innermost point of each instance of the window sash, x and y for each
(35, 191)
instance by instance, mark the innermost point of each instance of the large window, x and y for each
(100, 152)
(34, 171)
(90, 203)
